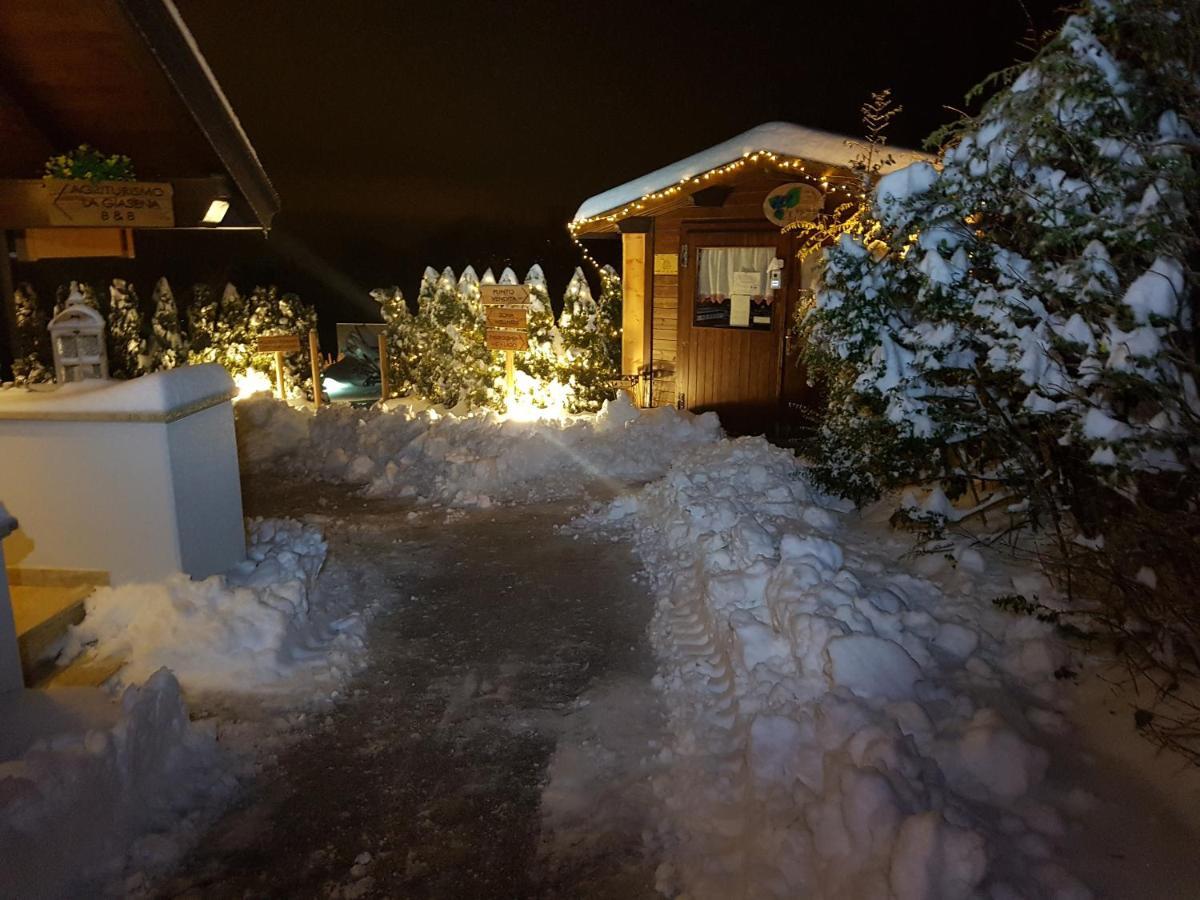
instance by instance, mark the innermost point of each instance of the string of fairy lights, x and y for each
(831, 184)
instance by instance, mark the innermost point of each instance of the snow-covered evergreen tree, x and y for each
(128, 355)
(399, 329)
(232, 343)
(584, 366)
(1025, 328)
(31, 344)
(294, 316)
(428, 361)
(543, 358)
(1033, 307)
(167, 346)
(454, 365)
(608, 317)
(202, 324)
(484, 367)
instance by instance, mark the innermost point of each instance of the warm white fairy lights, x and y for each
(833, 183)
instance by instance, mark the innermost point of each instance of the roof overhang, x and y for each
(125, 76)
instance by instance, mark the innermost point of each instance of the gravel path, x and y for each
(508, 662)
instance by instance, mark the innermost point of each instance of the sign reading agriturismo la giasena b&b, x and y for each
(109, 204)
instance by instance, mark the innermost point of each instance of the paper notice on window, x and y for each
(748, 283)
(739, 310)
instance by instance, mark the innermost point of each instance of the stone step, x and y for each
(46, 602)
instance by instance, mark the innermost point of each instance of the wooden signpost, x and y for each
(506, 307)
(279, 344)
(385, 389)
(314, 360)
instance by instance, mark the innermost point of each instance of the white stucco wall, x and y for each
(208, 492)
(142, 485)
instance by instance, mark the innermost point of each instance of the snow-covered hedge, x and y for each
(1025, 323)
(439, 355)
(411, 450)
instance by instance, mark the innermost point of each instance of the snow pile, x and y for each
(471, 460)
(837, 728)
(263, 626)
(77, 808)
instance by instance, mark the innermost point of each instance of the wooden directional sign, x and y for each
(506, 317)
(109, 204)
(504, 294)
(507, 340)
(278, 343)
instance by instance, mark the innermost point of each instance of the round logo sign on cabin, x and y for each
(794, 202)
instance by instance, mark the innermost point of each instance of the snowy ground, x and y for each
(521, 671)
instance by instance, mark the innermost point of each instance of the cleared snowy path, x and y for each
(506, 649)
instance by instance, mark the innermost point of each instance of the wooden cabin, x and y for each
(710, 280)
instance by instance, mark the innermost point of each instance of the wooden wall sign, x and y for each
(504, 294)
(278, 343)
(666, 263)
(506, 317)
(105, 204)
(507, 340)
(796, 202)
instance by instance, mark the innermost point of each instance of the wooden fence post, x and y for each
(314, 358)
(384, 387)
(279, 374)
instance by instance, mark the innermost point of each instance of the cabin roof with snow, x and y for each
(126, 77)
(805, 152)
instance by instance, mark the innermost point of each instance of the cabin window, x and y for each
(732, 288)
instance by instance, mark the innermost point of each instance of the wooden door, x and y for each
(802, 401)
(730, 357)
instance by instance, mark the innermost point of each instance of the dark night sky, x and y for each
(402, 134)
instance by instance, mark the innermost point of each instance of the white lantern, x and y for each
(77, 336)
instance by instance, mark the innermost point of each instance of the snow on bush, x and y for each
(262, 627)
(471, 460)
(78, 807)
(838, 728)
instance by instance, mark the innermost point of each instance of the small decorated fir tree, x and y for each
(202, 324)
(483, 367)
(608, 318)
(232, 344)
(426, 345)
(167, 346)
(128, 355)
(31, 346)
(294, 316)
(585, 368)
(399, 330)
(541, 361)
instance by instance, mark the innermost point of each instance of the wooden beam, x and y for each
(168, 37)
(712, 196)
(633, 302)
(23, 201)
(635, 225)
(75, 243)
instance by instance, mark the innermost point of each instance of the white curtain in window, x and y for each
(717, 265)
